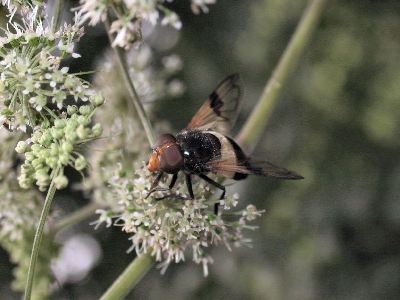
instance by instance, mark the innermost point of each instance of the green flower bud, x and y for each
(71, 109)
(46, 138)
(72, 124)
(97, 100)
(60, 182)
(51, 161)
(60, 123)
(80, 163)
(29, 156)
(43, 154)
(57, 133)
(42, 178)
(71, 136)
(37, 163)
(67, 147)
(63, 158)
(25, 182)
(42, 188)
(83, 120)
(21, 147)
(82, 132)
(97, 130)
(36, 148)
(36, 136)
(85, 110)
(54, 149)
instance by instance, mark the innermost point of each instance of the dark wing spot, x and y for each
(216, 103)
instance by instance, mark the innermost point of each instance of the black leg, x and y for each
(189, 185)
(154, 184)
(217, 185)
(214, 183)
(173, 181)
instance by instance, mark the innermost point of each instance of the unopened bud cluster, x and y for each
(53, 147)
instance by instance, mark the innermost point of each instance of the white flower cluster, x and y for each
(31, 79)
(129, 14)
(169, 228)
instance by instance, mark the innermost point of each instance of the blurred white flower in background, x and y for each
(78, 255)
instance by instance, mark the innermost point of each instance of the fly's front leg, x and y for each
(154, 184)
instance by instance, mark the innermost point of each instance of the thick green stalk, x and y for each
(129, 278)
(39, 236)
(256, 123)
(119, 52)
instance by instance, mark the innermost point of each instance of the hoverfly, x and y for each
(203, 146)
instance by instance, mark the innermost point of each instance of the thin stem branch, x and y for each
(39, 236)
(76, 217)
(130, 277)
(256, 123)
(58, 5)
(131, 89)
(50, 193)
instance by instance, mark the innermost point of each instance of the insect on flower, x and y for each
(203, 146)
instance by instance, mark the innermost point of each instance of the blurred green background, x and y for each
(334, 235)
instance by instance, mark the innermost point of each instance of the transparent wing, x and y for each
(250, 167)
(220, 110)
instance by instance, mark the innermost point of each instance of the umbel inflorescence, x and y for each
(169, 228)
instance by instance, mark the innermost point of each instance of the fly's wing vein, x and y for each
(220, 110)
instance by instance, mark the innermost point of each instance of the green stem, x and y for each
(76, 217)
(131, 89)
(39, 236)
(58, 5)
(50, 193)
(129, 278)
(256, 123)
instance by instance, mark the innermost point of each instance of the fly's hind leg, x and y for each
(217, 185)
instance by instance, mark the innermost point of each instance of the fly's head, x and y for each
(167, 156)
